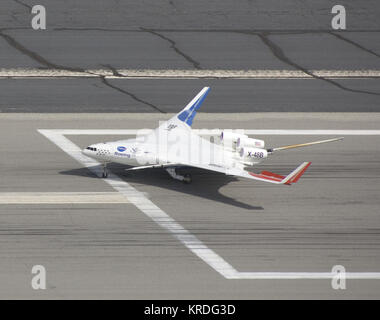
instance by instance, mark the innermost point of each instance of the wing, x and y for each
(175, 143)
(197, 154)
(167, 165)
(268, 176)
(265, 176)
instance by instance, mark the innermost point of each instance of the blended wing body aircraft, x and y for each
(175, 144)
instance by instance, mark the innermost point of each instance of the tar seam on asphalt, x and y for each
(41, 60)
(107, 83)
(173, 45)
(339, 36)
(114, 70)
(23, 4)
(279, 54)
(269, 31)
(263, 35)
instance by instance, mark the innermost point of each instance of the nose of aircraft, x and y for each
(89, 151)
(85, 151)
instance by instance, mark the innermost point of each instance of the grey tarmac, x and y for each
(329, 217)
(92, 95)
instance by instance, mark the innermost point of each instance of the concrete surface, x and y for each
(114, 251)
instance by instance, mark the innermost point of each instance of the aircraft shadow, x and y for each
(205, 184)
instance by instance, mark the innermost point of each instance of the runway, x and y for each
(115, 251)
(125, 65)
(169, 95)
(82, 51)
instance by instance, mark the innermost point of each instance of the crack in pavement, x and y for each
(41, 60)
(23, 4)
(14, 17)
(270, 31)
(264, 36)
(114, 70)
(173, 45)
(35, 56)
(354, 44)
(279, 54)
(172, 4)
(95, 29)
(133, 96)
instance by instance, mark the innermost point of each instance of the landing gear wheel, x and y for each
(173, 173)
(187, 178)
(105, 171)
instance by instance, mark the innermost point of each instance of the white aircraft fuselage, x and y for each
(174, 144)
(123, 152)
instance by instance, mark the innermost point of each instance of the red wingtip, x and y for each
(271, 174)
(299, 174)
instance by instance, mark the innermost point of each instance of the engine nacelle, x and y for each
(146, 159)
(249, 143)
(231, 138)
(252, 155)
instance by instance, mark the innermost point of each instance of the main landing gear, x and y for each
(105, 171)
(186, 178)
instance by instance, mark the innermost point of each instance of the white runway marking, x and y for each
(165, 221)
(61, 198)
(305, 275)
(145, 205)
(186, 74)
(206, 132)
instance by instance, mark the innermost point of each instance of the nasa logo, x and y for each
(121, 149)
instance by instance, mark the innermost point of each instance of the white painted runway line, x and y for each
(196, 246)
(305, 275)
(145, 205)
(186, 74)
(61, 198)
(218, 131)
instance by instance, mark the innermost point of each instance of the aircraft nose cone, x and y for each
(86, 152)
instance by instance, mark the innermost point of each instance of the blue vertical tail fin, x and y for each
(189, 112)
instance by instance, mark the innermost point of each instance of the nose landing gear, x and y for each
(186, 178)
(105, 171)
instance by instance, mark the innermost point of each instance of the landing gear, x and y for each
(105, 171)
(185, 178)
